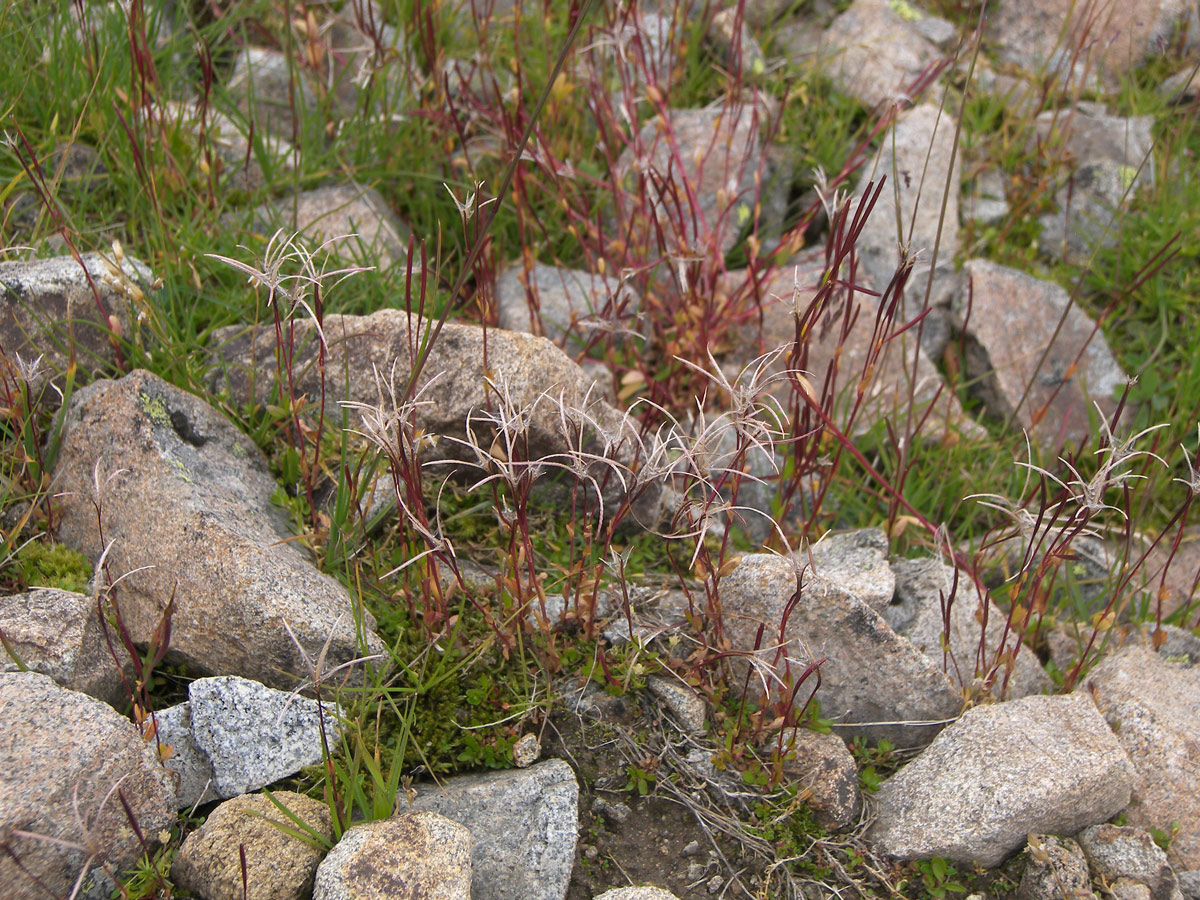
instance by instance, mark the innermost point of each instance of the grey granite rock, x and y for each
(986, 203)
(215, 544)
(825, 774)
(188, 765)
(523, 824)
(526, 375)
(636, 893)
(874, 683)
(1005, 302)
(1088, 135)
(1055, 868)
(874, 53)
(237, 148)
(1124, 852)
(735, 45)
(1038, 764)
(1182, 86)
(570, 306)
(48, 304)
(268, 87)
(59, 634)
(856, 561)
(687, 707)
(918, 158)
(1102, 42)
(254, 735)
(837, 358)
(1153, 706)
(709, 154)
(355, 220)
(992, 666)
(1091, 211)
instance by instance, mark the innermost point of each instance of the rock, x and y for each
(271, 89)
(361, 46)
(60, 634)
(874, 683)
(919, 158)
(253, 735)
(1065, 643)
(986, 204)
(1005, 302)
(1038, 764)
(1056, 869)
(922, 586)
(528, 375)
(655, 614)
(649, 44)
(1181, 87)
(711, 154)
(1172, 576)
(1089, 575)
(569, 307)
(189, 766)
(939, 32)
(526, 750)
(1189, 883)
(1176, 644)
(1127, 889)
(1044, 37)
(1114, 852)
(278, 865)
(523, 824)
(686, 706)
(735, 45)
(715, 445)
(236, 156)
(1091, 207)
(76, 168)
(1154, 707)
(615, 814)
(421, 855)
(358, 221)
(72, 171)
(64, 758)
(759, 14)
(856, 561)
(835, 362)
(215, 545)
(48, 304)
(826, 778)
(636, 893)
(1088, 135)
(874, 52)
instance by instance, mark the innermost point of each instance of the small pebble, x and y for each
(691, 849)
(526, 750)
(614, 813)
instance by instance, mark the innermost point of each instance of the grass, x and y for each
(499, 142)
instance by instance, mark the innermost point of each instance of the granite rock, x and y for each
(216, 551)
(1038, 764)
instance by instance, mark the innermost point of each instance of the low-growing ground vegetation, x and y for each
(497, 141)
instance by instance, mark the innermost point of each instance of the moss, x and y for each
(54, 566)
